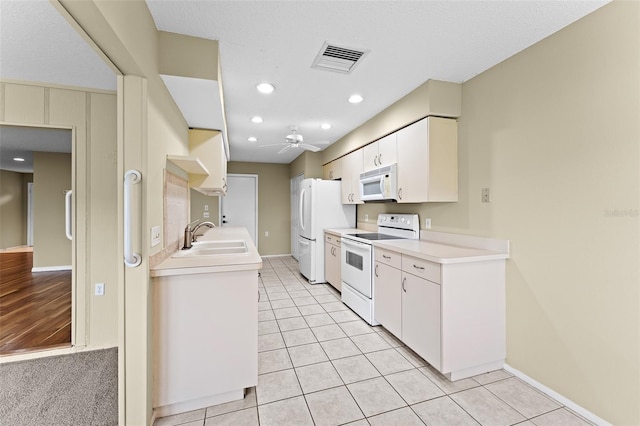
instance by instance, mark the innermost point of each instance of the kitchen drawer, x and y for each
(332, 239)
(388, 257)
(421, 268)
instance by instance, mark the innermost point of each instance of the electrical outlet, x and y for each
(366, 218)
(99, 289)
(155, 236)
(205, 215)
(266, 233)
(486, 195)
(206, 207)
(427, 223)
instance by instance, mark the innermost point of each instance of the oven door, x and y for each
(355, 266)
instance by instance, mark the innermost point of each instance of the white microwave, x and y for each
(379, 184)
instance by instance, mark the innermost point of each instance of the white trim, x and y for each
(560, 398)
(276, 255)
(30, 214)
(51, 268)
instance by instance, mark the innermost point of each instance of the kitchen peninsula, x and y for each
(205, 323)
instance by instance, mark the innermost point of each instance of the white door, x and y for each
(240, 206)
(296, 183)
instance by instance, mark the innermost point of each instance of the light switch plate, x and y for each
(427, 223)
(155, 236)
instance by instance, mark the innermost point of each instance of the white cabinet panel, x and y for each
(351, 169)
(388, 303)
(428, 161)
(421, 317)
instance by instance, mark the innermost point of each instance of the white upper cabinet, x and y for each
(208, 147)
(427, 159)
(380, 153)
(351, 169)
(332, 170)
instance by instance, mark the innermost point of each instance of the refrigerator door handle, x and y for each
(302, 209)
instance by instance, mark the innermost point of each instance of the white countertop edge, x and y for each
(206, 269)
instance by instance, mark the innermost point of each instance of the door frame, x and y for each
(78, 294)
(255, 177)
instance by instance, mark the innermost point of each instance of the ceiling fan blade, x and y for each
(286, 148)
(272, 144)
(310, 147)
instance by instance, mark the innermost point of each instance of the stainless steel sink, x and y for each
(213, 248)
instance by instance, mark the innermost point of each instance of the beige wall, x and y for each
(198, 201)
(13, 209)
(309, 163)
(554, 133)
(51, 180)
(273, 204)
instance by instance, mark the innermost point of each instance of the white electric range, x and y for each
(356, 265)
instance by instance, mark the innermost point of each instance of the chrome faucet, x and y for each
(190, 234)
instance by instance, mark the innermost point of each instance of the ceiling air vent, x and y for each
(338, 58)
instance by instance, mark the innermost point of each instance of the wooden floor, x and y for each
(35, 308)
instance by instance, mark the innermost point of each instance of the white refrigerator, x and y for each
(320, 208)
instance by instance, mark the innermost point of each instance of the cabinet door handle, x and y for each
(404, 280)
(375, 160)
(258, 295)
(386, 257)
(419, 267)
(376, 272)
(380, 159)
(400, 193)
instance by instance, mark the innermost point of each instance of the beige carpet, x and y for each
(75, 389)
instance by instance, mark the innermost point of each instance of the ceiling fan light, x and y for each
(325, 126)
(265, 88)
(355, 99)
(256, 119)
(252, 139)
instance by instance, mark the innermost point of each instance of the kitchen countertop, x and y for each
(219, 263)
(439, 252)
(446, 249)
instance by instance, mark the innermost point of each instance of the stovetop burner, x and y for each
(376, 236)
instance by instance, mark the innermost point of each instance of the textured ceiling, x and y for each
(409, 42)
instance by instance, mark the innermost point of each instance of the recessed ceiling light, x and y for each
(252, 139)
(355, 99)
(256, 119)
(18, 159)
(265, 88)
(326, 126)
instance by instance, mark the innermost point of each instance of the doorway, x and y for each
(240, 206)
(36, 258)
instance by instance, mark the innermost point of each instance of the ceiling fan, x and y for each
(294, 140)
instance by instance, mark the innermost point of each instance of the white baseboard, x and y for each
(560, 398)
(51, 268)
(275, 255)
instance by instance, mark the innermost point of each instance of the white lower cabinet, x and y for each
(421, 317)
(205, 339)
(452, 315)
(387, 309)
(332, 261)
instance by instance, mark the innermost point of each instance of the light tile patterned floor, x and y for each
(320, 364)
